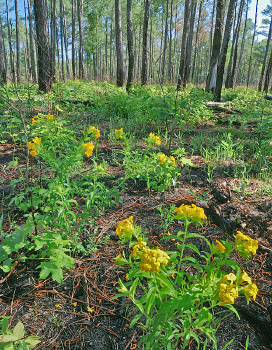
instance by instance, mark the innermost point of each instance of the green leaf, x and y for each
(32, 341)
(48, 267)
(19, 330)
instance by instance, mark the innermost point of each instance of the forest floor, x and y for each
(81, 313)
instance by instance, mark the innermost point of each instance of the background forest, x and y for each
(148, 41)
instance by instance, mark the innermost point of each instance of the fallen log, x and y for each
(220, 107)
(268, 97)
(86, 102)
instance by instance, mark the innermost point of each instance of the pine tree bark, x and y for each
(61, 40)
(31, 44)
(265, 55)
(26, 48)
(144, 49)
(165, 42)
(130, 44)
(196, 38)
(183, 56)
(74, 38)
(170, 43)
(66, 43)
(189, 46)
(3, 73)
(18, 63)
(80, 52)
(224, 49)
(119, 44)
(217, 39)
(12, 67)
(53, 38)
(268, 74)
(44, 57)
(252, 43)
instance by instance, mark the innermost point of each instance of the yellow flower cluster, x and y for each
(89, 147)
(32, 146)
(119, 134)
(125, 227)
(50, 116)
(219, 247)
(228, 288)
(151, 259)
(95, 132)
(228, 291)
(245, 245)
(191, 212)
(154, 139)
(163, 158)
(35, 120)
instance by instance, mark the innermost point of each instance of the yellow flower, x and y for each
(162, 158)
(50, 116)
(89, 147)
(245, 245)
(57, 305)
(37, 140)
(125, 227)
(152, 259)
(35, 120)
(34, 153)
(228, 278)
(137, 248)
(154, 139)
(173, 275)
(74, 304)
(94, 131)
(191, 212)
(31, 145)
(90, 309)
(251, 291)
(119, 134)
(228, 293)
(118, 256)
(173, 160)
(219, 247)
(245, 279)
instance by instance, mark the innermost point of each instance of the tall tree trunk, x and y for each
(211, 31)
(80, 30)
(217, 39)
(144, 53)
(111, 48)
(252, 43)
(130, 44)
(265, 55)
(66, 43)
(189, 46)
(44, 57)
(61, 39)
(3, 73)
(106, 47)
(234, 49)
(165, 42)
(74, 38)
(12, 68)
(31, 44)
(119, 44)
(224, 49)
(183, 56)
(170, 43)
(26, 48)
(196, 37)
(268, 74)
(18, 64)
(242, 46)
(53, 39)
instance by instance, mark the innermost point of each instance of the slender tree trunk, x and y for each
(242, 46)
(4, 48)
(252, 43)
(268, 74)
(26, 48)
(189, 46)
(211, 31)
(31, 43)
(106, 48)
(196, 37)
(265, 55)
(119, 44)
(53, 39)
(61, 39)
(3, 73)
(111, 43)
(170, 43)
(183, 56)
(165, 42)
(217, 39)
(12, 68)
(44, 57)
(80, 30)
(66, 43)
(74, 38)
(144, 53)
(224, 49)
(151, 73)
(18, 64)
(130, 44)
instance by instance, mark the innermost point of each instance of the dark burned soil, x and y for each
(82, 314)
